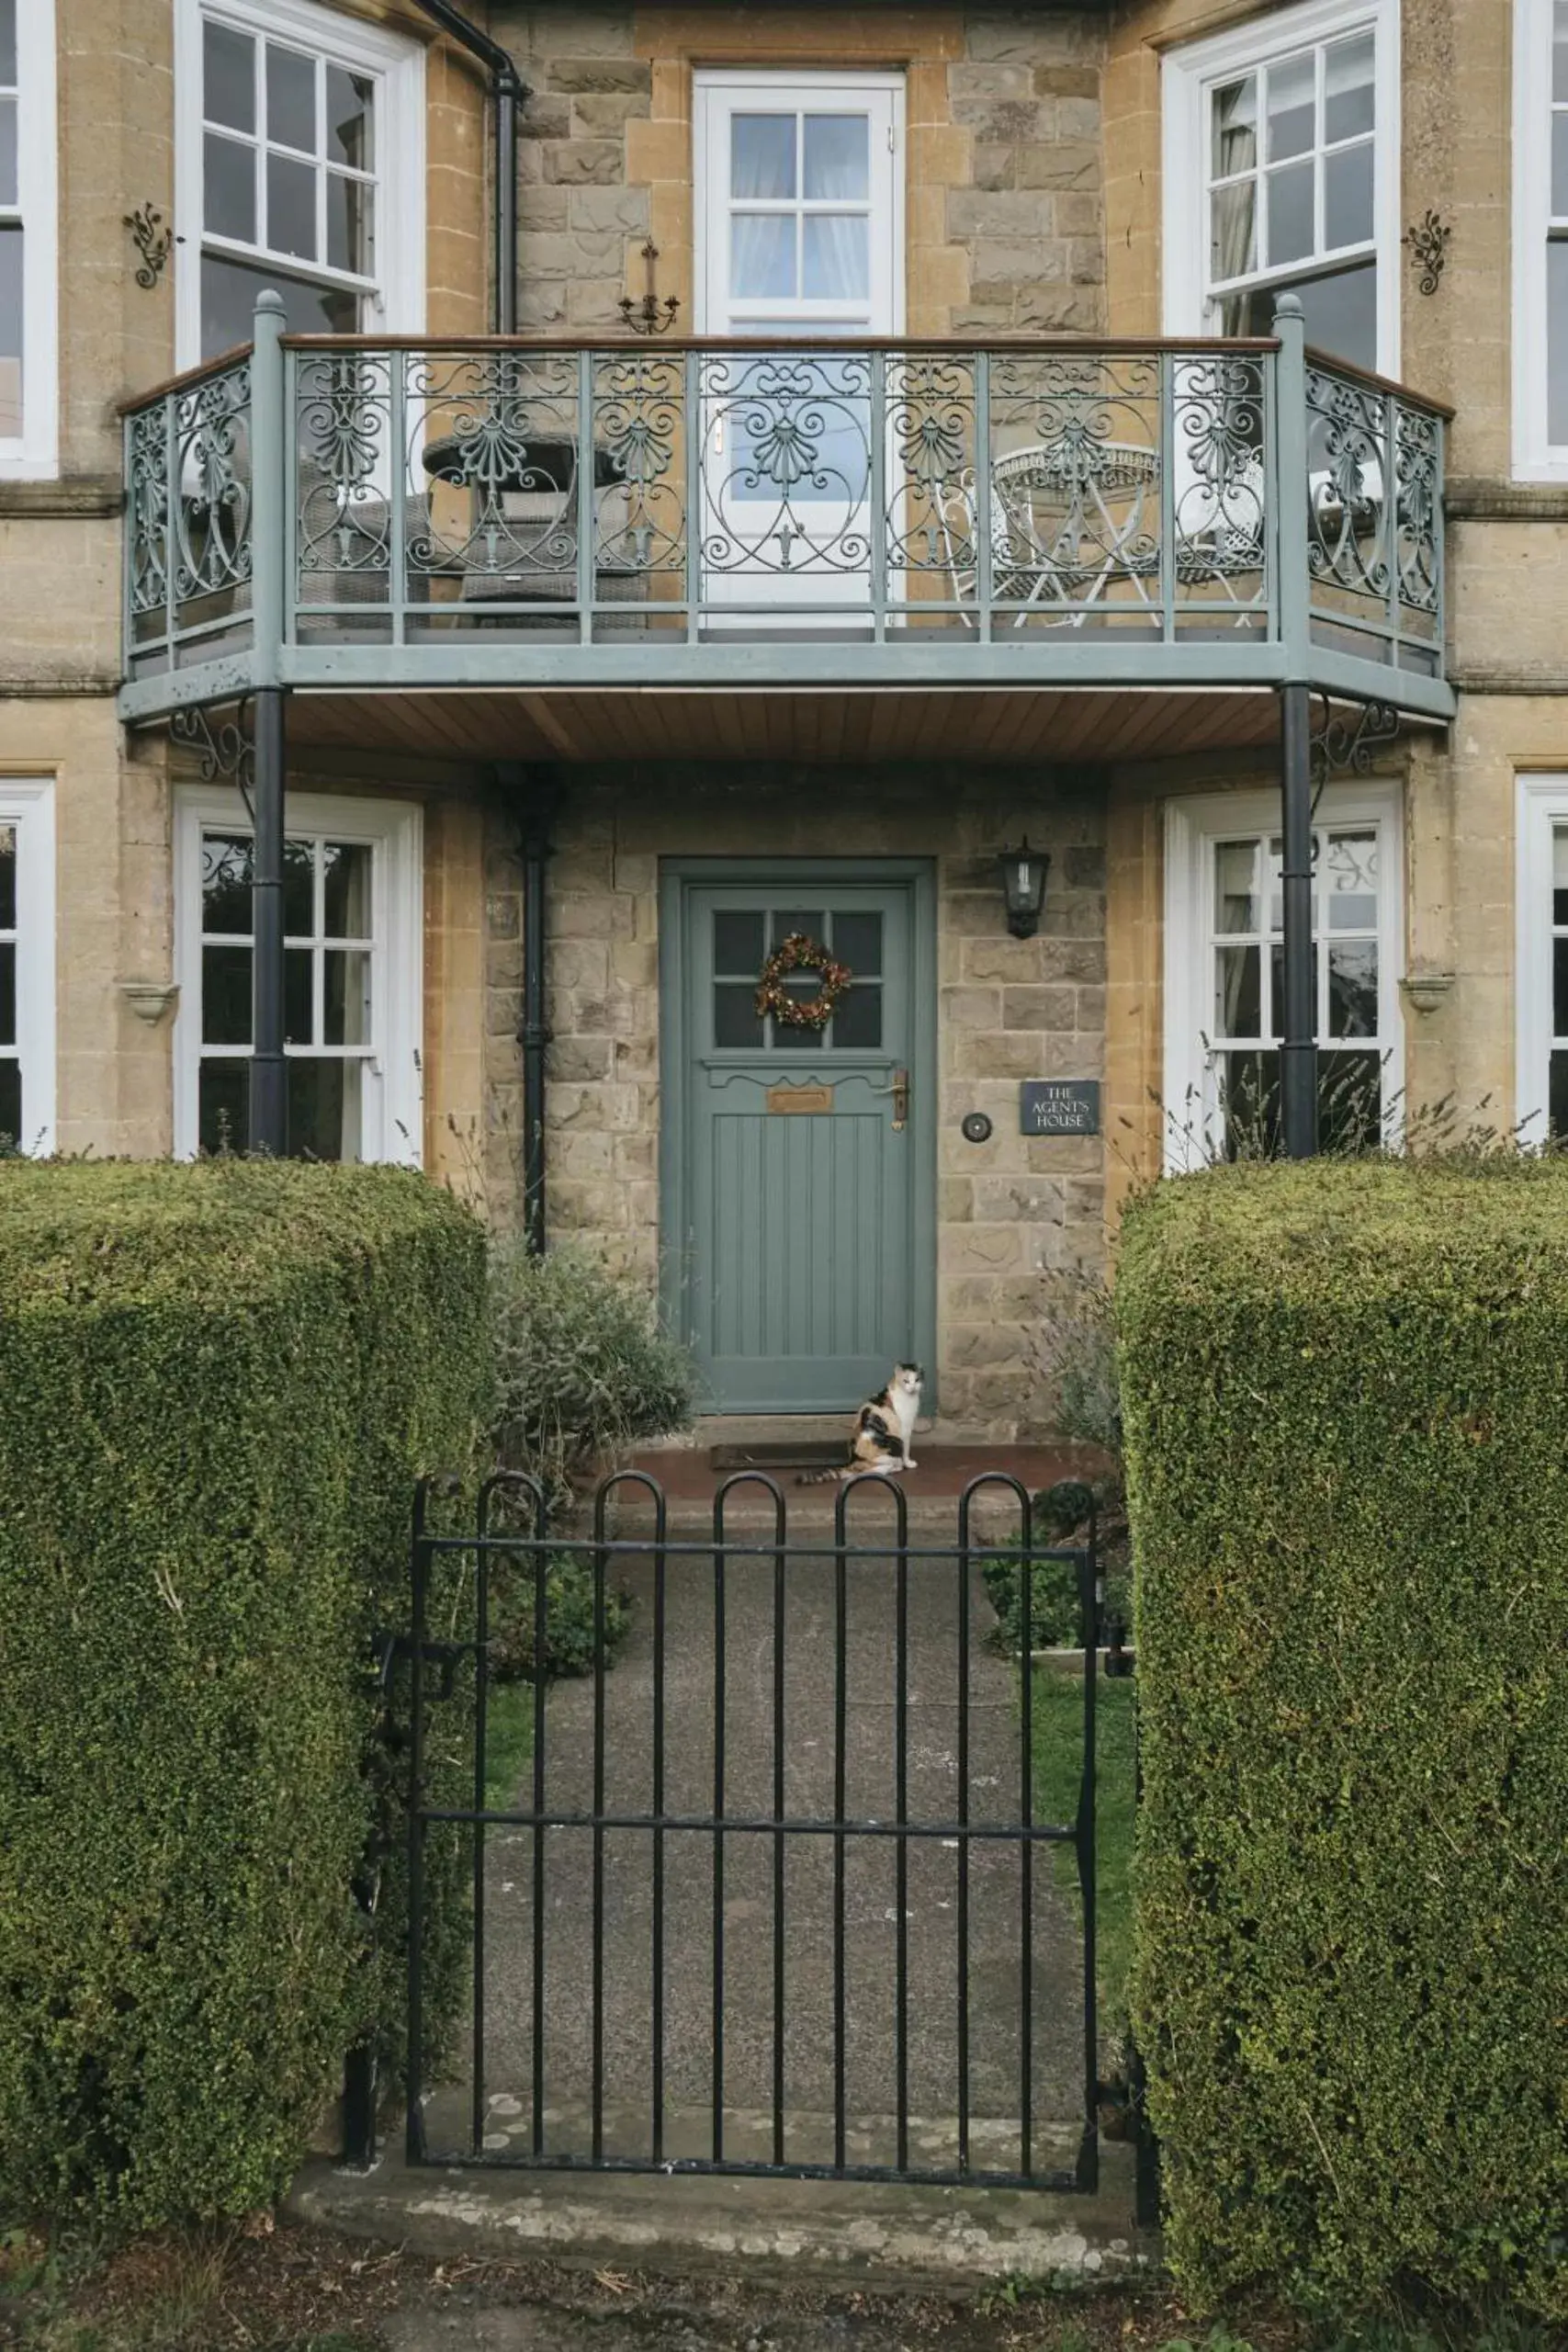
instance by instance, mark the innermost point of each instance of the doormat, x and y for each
(802, 1453)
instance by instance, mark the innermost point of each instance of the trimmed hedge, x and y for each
(1347, 1412)
(217, 1385)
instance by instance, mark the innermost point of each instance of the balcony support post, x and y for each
(1298, 1042)
(270, 490)
(540, 793)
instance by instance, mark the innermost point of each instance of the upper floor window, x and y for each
(302, 169)
(1281, 172)
(1541, 238)
(28, 364)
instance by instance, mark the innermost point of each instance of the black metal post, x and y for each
(269, 1076)
(1298, 1050)
(534, 1033)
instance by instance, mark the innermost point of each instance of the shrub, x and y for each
(569, 1616)
(581, 1366)
(218, 1383)
(1347, 1450)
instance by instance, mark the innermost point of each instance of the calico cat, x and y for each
(885, 1431)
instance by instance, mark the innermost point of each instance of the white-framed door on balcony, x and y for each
(799, 236)
(797, 1165)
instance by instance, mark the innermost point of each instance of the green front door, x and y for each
(801, 1246)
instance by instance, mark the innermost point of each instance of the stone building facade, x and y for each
(1035, 198)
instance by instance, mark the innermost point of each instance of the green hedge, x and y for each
(1346, 1408)
(217, 1385)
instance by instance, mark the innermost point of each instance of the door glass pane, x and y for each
(1560, 52)
(811, 923)
(762, 155)
(857, 942)
(7, 992)
(1341, 313)
(836, 259)
(8, 150)
(1292, 104)
(227, 996)
(1349, 100)
(1557, 1095)
(1351, 874)
(1289, 214)
(1234, 126)
(223, 1107)
(226, 883)
(1556, 339)
(299, 889)
(1249, 1105)
(761, 255)
(298, 1019)
(1277, 978)
(1353, 989)
(1238, 1010)
(1560, 164)
(324, 1109)
(346, 997)
(1559, 875)
(857, 1018)
(838, 157)
(351, 118)
(9, 878)
(345, 890)
(11, 1105)
(229, 189)
(1559, 988)
(1233, 249)
(8, 41)
(1349, 1102)
(229, 77)
(1348, 197)
(290, 98)
(229, 291)
(291, 207)
(735, 1018)
(1235, 886)
(737, 943)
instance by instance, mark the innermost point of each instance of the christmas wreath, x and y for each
(799, 954)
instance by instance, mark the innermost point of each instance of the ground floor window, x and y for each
(1225, 968)
(1541, 1018)
(27, 966)
(351, 978)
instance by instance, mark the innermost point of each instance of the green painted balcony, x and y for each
(360, 518)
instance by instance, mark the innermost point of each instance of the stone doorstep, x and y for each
(885, 2235)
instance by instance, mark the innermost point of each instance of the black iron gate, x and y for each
(768, 1894)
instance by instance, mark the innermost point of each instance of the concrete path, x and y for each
(753, 1875)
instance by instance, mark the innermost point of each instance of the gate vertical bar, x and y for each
(718, 1698)
(541, 1643)
(419, 1562)
(598, 1832)
(694, 423)
(1087, 2169)
(657, 1957)
(482, 1701)
(1026, 1844)
(984, 584)
(901, 1815)
(877, 457)
(840, 1720)
(963, 1506)
(779, 1856)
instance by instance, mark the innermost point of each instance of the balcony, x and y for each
(358, 518)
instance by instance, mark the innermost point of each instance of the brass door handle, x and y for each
(899, 1091)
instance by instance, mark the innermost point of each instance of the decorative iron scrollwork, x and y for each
(226, 750)
(1345, 743)
(1428, 244)
(154, 240)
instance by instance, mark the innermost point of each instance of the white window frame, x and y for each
(1193, 829)
(394, 830)
(1191, 73)
(28, 803)
(398, 64)
(1542, 804)
(1535, 457)
(34, 454)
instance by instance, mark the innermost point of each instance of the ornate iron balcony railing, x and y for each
(397, 514)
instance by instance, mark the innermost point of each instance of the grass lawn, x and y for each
(509, 1741)
(1058, 1761)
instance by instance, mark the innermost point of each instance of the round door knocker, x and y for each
(977, 1127)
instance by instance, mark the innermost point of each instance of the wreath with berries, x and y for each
(799, 954)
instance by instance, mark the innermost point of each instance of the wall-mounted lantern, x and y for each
(1023, 874)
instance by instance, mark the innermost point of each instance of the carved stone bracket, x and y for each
(226, 750)
(149, 1000)
(1425, 991)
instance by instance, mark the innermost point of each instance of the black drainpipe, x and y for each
(536, 794)
(509, 92)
